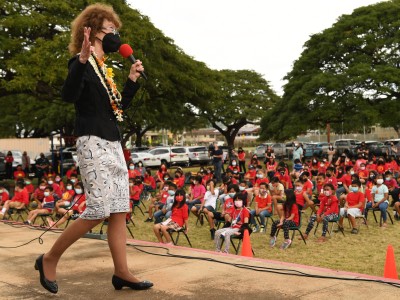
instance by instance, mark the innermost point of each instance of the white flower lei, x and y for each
(113, 94)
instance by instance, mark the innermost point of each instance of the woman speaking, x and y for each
(99, 107)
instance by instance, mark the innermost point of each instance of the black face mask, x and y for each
(111, 43)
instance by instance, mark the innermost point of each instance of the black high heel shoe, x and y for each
(51, 286)
(119, 283)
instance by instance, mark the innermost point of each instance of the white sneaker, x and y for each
(286, 244)
(262, 230)
(272, 241)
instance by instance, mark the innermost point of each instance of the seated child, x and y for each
(45, 207)
(354, 205)
(263, 207)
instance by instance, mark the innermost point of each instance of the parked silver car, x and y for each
(171, 155)
(198, 155)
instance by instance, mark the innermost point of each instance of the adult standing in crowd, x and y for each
(26, 162)
(297, 152)
(42, 165)
(217, 155)
(9, 162)
(99, 106)
(331, 152)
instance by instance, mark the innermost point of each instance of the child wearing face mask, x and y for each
(354, 206)
(263, 207)
(240, 220)
(4, 195)
(38, 194)
(303, 200)
(328, 210)
(234, 166)
(45, 207)
(380, 198)
(66, 198)
(134, 190)
(291, 219)
(179, 218)
(393, 187)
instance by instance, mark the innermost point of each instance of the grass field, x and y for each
(362, 253)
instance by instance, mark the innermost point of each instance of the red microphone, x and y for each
(126, 51)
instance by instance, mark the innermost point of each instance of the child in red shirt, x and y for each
(263, 207)
(240, 220)
(354, 206)
(179, 218)
(291, 218)
(19, 201)
(4, 195)
(134, 190)
(328, 210)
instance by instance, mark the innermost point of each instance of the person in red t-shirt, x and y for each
(71, 171)
(19, 201)
(45, 207)
(4, 195)
(271, 167)
(251, 175)
(149, 182)
(330, 177)
(263, 207)
(19, 173)
(179, 179)
(242, 160)
(158, 202)
(381, 166)
(328, 210)
(55, 186)
(291, 218)
(354, 206)
(132, 171)
(362, 173)
(179, 218)
(346, 182)
(303, 200)
(134, 190)
(283, 177)
(29, 186)
(60, 183)
(66, 199)
(240, 221)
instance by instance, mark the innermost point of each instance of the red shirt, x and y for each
(180, 182)
(229, 206)
(19, 174)
(39, 194)
(48, 202)
(370, 167)
(136, 193)
(79, 199)
(284, 179)
(295, 212)
(22, 197)
(392, 183)
(381, 169)
(57, 190)
(263, 202)
(4, 196)
(271, 167)
(180, 215)
(331, 180)
(251, 174)
(328, 205)
(261, 180)
(308, 185)
(239, 215)
(346, 180)
(300, 200)
(70, 172)
(234, 168)
(149, 180)
(164, 197)
(242, 156)
(30, 188)
(9, 159)
(355, 198)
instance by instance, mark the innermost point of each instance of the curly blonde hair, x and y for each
(92, 16)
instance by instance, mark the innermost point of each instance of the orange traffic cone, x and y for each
(390, 264)
(246, 248)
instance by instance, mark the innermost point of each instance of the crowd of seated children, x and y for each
(44, 207)
(239, 221)
(178, 219)
(290, 218)
(19, 201)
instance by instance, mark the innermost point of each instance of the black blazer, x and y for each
(94, 115)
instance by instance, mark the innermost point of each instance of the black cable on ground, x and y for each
(257, 268)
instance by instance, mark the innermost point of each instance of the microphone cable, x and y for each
(39, 238)
(279, 271)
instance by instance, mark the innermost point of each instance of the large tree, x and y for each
(348, 76)
(238, 98)
(33, 65)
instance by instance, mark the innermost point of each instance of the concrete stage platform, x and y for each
(86, 268)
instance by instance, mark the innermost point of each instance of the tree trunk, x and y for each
(397, 129)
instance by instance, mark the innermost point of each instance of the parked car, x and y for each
(74, 154)
(140, 149)
(2, 165)
(147, 159)
(198, 155)
(171, 155)
(376, 148)
(318, 149)
(347, 146)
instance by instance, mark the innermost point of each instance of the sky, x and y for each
(266, 36)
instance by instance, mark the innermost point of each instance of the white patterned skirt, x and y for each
(104, 176)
